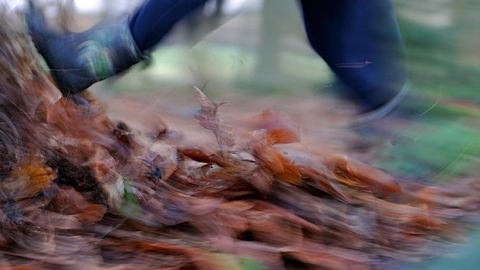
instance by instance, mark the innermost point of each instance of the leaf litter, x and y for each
(79, 190)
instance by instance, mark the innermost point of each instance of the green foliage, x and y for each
(250, 264)
(131, 207)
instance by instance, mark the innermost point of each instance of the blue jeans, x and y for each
(359, 40)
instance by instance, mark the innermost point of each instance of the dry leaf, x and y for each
(272, 159)
(356, 174)
(279, 128)
(209, 119)
(249, 201)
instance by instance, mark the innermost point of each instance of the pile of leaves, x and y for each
(78, 190)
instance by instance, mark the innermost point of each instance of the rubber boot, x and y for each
(78, 60)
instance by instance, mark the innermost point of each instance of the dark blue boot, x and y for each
(77, 60)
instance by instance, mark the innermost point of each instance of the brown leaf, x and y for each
(330, 258)
(318, 178)
(356, 174)
(280, 129)
(48, 219)
(92, 213)
(202, 206)
(164, 157)
(262, 180)
(272, 229)
(68, 201)
(272, 159)
(209, 119)
(286, 215)
(229, 220)
(197, 154)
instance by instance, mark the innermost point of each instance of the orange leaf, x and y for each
(321, 181)
(31, 178)
(280, 129)
(92, 213)
(357, 174)
(281, 167)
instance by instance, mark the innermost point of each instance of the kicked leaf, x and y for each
(356, 174)
(209, 119)
(272, 159)
(29, 179)
(279, 128)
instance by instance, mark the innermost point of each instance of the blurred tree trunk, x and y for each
(268, 55)
(280, 27)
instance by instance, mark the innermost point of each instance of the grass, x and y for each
(449, 142)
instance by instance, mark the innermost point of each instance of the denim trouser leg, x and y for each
(156, 17)
(361, 43)
(359, 40)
